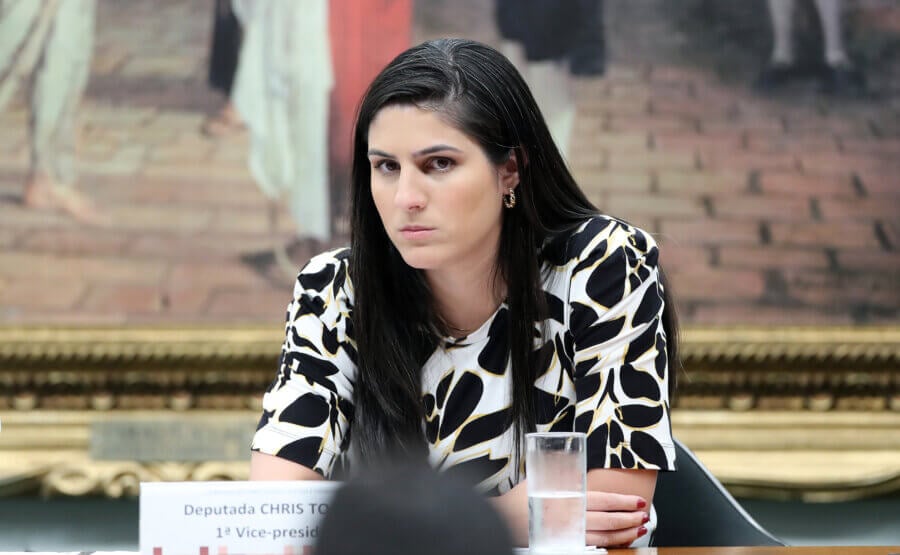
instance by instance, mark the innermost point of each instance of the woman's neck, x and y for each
(466, 296)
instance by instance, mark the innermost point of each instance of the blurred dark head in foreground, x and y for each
(410, 510)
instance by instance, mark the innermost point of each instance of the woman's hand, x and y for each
(614, 518)
(618, 505)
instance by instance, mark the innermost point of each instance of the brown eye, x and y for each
(386, 166)
(441, 164)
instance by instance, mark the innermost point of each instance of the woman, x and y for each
(482, 297)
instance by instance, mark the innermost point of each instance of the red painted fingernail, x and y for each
(641, 503)
(641, 531)
(646, 519)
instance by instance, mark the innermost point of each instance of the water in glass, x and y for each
(557, 521)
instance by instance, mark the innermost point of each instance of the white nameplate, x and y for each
(232, 518)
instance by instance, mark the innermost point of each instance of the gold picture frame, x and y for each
(775, 412)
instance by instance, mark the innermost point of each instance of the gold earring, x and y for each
(509, 199)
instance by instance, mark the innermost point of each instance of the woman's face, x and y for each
(439, 197)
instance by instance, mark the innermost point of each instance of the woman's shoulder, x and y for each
(596, 235)
(326, 272)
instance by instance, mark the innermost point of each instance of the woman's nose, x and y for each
(410, 194)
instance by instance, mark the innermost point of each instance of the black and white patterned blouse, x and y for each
(604, 369)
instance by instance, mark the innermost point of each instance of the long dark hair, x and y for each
(476, 89)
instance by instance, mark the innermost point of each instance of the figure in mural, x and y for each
(546, 41)
(365, 36)
(48, 44)
(838, 74)
(588, 52)
(281, 92)
(300, 127)
(223, 60)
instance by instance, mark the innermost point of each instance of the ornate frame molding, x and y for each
(763, 407)
(705, 344)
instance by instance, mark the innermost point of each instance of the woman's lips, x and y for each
(414, 232)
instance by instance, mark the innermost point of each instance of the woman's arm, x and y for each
(270, 467)
(305, 421)
(618, 505)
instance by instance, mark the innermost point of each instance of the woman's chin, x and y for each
(420, 258)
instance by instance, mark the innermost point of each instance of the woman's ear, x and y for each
(509, 171)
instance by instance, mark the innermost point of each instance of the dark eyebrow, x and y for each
(433, 149)
(418, 153)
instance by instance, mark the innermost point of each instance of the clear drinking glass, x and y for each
(556, 472)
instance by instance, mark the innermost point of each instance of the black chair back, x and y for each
(694, 509)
